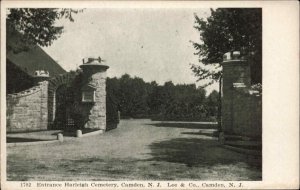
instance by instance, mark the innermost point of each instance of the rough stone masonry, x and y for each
(94, 75)
(35, 108)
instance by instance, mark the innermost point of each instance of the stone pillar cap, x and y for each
(233, 56)
(93, 62)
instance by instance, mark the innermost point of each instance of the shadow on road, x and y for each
(21, 140)
(199, 152)
(185, 125)
(209, 134)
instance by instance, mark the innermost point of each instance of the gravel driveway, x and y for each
(139, 149)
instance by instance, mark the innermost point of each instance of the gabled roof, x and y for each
(35, 59)
(32, 59)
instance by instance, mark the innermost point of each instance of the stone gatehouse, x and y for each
(69, 101)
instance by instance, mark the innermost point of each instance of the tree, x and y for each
(132, 95)
(212, 102)
(34, 26)
(139, 99)
(229, 29)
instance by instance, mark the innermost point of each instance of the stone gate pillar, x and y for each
(94, 93)
(41, 78)
(236, 74)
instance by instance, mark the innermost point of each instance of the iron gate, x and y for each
(64, 119)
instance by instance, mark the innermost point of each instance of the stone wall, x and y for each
(28, 110)
(39, 108)
(112, 112)
(246, 113)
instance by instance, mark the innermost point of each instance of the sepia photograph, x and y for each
(95, 95)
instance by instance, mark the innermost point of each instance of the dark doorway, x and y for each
(64, 101)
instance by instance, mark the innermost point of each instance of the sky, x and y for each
(153, 44)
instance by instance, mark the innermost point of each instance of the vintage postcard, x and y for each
(149, 95)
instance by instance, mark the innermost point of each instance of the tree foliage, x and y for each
(137, 98)
(229, 29)
(34, 26)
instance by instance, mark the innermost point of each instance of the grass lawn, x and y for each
(136, 150)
